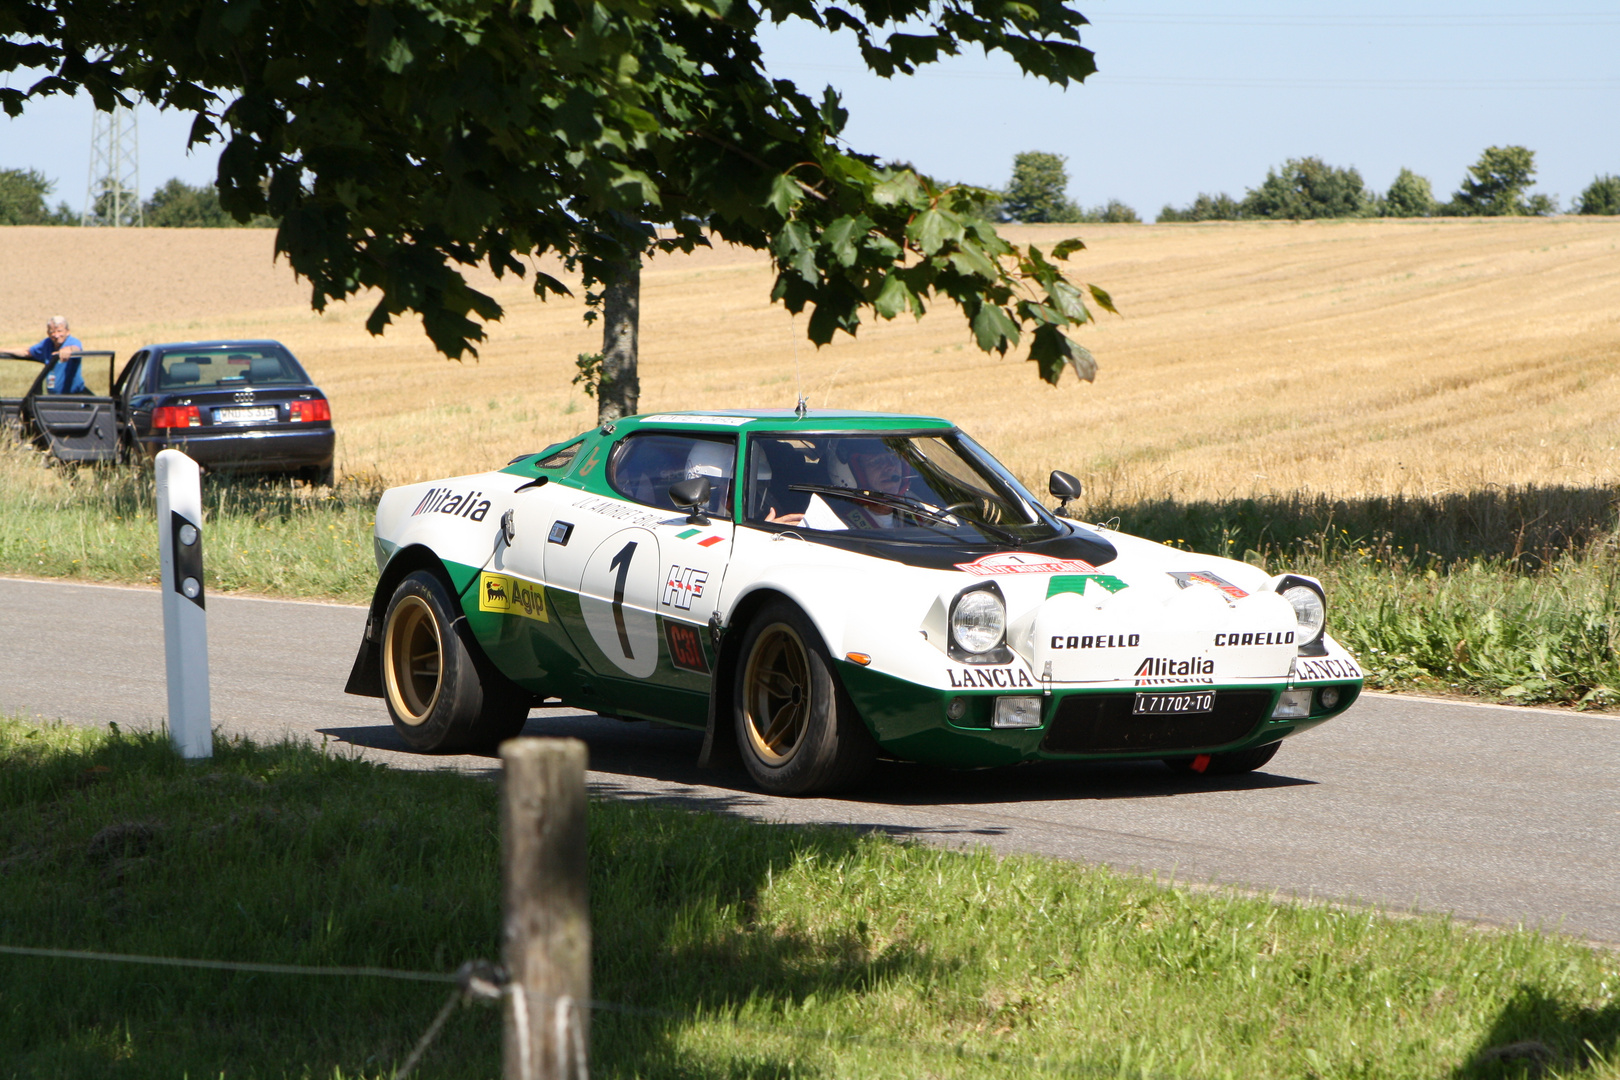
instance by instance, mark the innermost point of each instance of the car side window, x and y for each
(644, 466)
(130, 381)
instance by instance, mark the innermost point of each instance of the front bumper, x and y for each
(257, 450)
(910, 721)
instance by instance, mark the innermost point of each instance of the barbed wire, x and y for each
(230, 965)
(480, 980)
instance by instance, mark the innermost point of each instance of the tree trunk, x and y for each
(620, 390)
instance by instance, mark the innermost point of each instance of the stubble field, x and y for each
(1342, 358)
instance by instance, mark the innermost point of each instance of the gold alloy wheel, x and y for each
(413, 660)
(776, 694)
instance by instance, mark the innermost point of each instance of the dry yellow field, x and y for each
(1350, 358)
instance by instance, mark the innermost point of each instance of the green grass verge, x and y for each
(751, 950)
(264, 536)
(1513, 594)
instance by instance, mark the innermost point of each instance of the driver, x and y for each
(59, 352)
(869, 464)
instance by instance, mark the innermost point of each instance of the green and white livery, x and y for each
(814, 591)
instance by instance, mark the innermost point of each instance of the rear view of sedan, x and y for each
(240, 406)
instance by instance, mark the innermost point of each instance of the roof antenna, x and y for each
(802, 409)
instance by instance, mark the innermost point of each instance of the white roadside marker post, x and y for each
(185, 619)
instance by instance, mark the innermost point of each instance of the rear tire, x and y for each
(318, 475)
(797, 729)
(442, 695)
(1228, 764)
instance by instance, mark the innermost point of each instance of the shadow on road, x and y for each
(640, 751)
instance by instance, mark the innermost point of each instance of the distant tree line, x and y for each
(1304, 188)
(177, 204)
(1496, 185)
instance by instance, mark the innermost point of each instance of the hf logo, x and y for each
(683, 585)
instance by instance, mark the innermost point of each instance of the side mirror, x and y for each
(1063, 487)
(692, 494)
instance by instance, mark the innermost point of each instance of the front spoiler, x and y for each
(909, 721)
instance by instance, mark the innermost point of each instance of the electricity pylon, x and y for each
(113, 193)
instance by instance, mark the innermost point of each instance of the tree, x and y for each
(1410, 195)
(399, 141)
(22, 200)
(1496, 183)
(1309, 188)
(1220, 207)
(1113, 212)
(178, 205)
(1602, 196)
(1039, 188)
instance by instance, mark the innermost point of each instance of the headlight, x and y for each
(978, 621)
(1310, 610)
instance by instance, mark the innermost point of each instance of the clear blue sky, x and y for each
(1188, 98)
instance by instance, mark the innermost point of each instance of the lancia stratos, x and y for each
(814, 591)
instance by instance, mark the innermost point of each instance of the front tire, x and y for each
(439, 696)
(797, 729)
(1228, 764)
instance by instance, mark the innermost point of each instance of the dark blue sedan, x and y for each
(241, 406)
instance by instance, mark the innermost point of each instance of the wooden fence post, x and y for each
(546, 922)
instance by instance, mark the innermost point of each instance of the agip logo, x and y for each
(507, 595)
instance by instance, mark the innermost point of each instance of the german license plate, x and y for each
(1160, 704)
(256, 415)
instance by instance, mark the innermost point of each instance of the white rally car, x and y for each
(813, 591)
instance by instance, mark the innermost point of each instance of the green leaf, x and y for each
(994, 330)
(785, 195)
(1065, 248)
(971, 262)
(1053, 350)
(1080, 358)
(1066, 299)
(933, 229)
(1106, 302)
(841, 236)
(900, 189)
(893, 298)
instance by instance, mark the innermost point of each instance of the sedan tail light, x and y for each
(310, 411)
(173, 416)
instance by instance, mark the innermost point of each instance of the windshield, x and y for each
(228, 367)
(933, 488)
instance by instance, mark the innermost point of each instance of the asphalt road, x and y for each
(1494, 814)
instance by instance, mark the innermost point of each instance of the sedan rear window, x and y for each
(205, 369)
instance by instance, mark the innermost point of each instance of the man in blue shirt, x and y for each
(59, 351)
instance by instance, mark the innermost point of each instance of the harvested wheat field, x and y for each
(1347, 358)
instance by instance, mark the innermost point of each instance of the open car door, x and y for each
(77, 428)
(19, 378)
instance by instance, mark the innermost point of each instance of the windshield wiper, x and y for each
(904, 502)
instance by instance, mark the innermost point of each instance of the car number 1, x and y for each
(621, 563)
